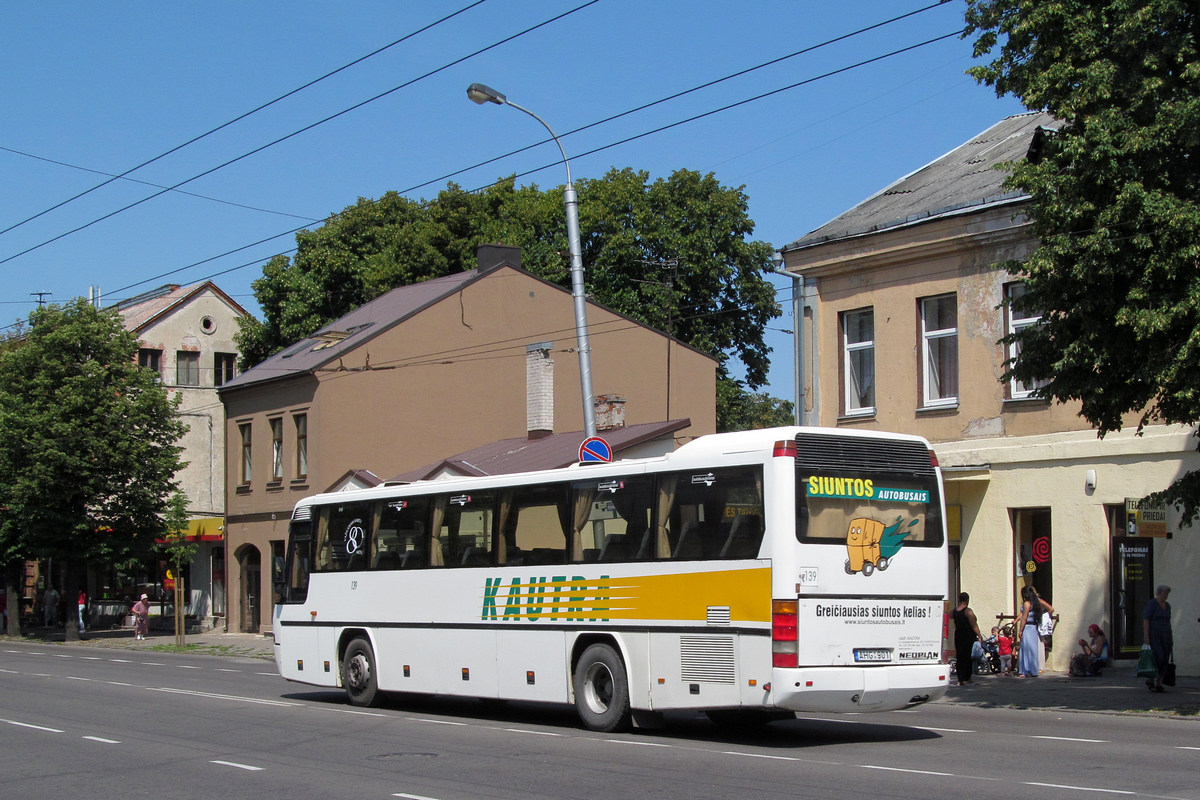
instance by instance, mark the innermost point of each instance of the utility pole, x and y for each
(671, 264)
(41, 297)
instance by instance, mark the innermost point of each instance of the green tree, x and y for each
(739, 410)
(674, 253)
(88, 450)
(1115, 204)
(177, 550)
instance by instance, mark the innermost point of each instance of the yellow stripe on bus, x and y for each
(684, 597)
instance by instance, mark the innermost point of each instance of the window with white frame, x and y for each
(939, 351)
(858, 361)
(277, 449)
(1018, 321)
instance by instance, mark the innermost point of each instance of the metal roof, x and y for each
(352, 330)
(963, 180)
(524, 454)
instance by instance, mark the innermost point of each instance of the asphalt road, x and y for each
(108, 723)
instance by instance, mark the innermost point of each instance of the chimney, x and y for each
(610, 412)
(491, 256)
(539, 390)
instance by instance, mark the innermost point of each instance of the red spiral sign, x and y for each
(1041, 549)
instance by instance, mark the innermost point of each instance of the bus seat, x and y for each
(387, 560)
(474, 557)
(745, 536)
(412, 559)
(689, 544)
(615, 548)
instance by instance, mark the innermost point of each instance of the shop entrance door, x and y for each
(1132, 586)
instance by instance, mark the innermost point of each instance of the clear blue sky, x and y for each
(107, 86)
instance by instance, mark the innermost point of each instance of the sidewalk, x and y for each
(216, 643)
(1117, 691)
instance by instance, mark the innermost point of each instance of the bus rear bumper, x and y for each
(858, 688)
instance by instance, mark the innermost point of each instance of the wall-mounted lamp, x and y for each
(1089, 481)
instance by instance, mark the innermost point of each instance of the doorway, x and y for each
(251, 588)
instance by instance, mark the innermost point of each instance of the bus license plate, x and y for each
(872, 654)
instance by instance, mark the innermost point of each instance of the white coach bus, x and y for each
(749, 575)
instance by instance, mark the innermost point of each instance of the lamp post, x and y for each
(484, 94)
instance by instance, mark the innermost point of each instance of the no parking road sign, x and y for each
(595, 450)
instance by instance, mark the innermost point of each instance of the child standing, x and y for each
(1004, 642)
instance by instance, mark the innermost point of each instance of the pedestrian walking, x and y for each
(141, 617)
(1156, 632)
(50, 606)
(966, 634)
(82, 603)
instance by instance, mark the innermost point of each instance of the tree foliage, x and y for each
(1115, 203)
(674, 253)
(88, 442)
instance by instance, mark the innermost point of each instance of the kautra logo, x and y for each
(557, 598)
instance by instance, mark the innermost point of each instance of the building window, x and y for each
(247, 462)
(277, 449)
(226, 368)
(151, 359)
(301, 445)
(858, 361)
(939, 352)
(1018, 321)
(187, 368)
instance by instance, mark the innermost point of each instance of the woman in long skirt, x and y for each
(1028, 620)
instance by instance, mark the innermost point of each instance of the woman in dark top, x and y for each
(1156, 632)
(966, 634)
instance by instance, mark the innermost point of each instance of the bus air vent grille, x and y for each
(718, 615)
(302, 513)
(815, 451)
(706, 659)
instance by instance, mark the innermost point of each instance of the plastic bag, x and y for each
(1046, 626)
(1147, 666)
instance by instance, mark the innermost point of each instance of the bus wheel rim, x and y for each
(598, 689)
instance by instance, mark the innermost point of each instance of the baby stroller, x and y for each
(987, 657)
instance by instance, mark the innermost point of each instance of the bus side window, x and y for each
(716, 514)
(343, 537)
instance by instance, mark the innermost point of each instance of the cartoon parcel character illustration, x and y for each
(871, 546)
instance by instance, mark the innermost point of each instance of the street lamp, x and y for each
(485, 94)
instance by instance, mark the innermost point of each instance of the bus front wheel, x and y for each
(358, 674)
(602, 689)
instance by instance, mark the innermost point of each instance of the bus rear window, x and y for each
(879, 510)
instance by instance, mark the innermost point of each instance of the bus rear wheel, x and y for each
(358, 675)
(602, 689)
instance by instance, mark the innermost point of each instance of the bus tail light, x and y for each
(933, 462)
(784, 449)
(785, 638)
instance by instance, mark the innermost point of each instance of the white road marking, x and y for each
(1078, 788)
(759, 755)
(222, 669)
(437, 721)
(639, 744)
(35, 727)
(535, 733)
(226, 697)
(186, 666)
(101, 740)
(413, 796)
(118, 683)
(121, 660)
(239, 766)
(10, 671)
(75, 678)
(939, 730)
(1072, 739)
(912, 771)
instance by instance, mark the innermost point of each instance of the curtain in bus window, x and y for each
(504, 513)
(666, 501)
(437, 519)
(581, 514)
(322, 560)
(346, 542)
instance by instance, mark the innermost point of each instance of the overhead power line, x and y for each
(239, 118)
(257, 150)
(591, 125)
